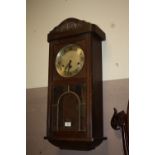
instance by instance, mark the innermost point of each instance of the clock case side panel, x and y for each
(97, 90)
(49, 95)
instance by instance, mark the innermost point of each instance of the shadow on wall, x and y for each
(115, 94)
(100, 150)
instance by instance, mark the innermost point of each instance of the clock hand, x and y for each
(68, 65)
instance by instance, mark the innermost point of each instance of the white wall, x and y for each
(110, 15)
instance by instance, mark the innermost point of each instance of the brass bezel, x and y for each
(61, 53)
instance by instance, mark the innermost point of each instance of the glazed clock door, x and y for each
(68, 109)
(69, 87)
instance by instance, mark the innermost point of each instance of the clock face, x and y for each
(69, 60)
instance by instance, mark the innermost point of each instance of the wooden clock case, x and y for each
(88, 82)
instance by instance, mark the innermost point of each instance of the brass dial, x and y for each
(69, 60)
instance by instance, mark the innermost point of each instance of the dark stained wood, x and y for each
(90, 134)
(97, 87)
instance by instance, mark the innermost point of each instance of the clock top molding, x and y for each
(72, 27)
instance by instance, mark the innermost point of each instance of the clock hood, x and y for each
(71, 27)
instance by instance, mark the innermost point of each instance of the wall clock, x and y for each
(74, 116)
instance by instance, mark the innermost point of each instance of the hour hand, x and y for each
(68, 66)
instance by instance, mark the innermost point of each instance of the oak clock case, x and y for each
(74, 114)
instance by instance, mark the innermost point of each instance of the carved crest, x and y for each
(68, 25)
(73, 26)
